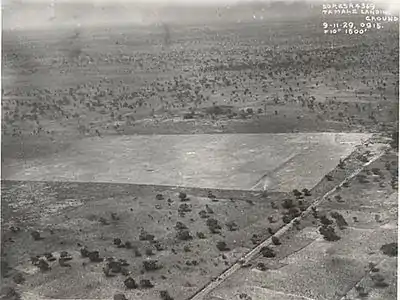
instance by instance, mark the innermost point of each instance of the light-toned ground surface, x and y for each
(276, 162)
(309, 268)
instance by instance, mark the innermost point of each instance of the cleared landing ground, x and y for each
(277, 162)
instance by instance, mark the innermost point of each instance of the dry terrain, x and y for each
(201, 159)
(228, 161)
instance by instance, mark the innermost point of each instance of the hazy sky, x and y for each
(28, 16)
(191, 2)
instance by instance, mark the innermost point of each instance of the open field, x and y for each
(152, 156)
(275, 162)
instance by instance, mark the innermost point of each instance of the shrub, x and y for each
(267, 252)
(389, 249)
(329, 234)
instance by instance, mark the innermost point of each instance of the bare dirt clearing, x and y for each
(275, 162)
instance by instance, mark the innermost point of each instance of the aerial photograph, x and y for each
(199, 149)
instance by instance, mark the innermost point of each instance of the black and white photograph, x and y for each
(199, 149)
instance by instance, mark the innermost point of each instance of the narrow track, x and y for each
(268, 176)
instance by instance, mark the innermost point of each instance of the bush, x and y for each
(213, 225)
(389, 249)
(182, 196)
(287, 203)
(222, 246)
(267, 252)
(183, 235)
(276, 241)
(296, 193)
(151, 265)
(325, 221)
(188, 116)
(340, 220)
(165, 295)
(329, 234)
